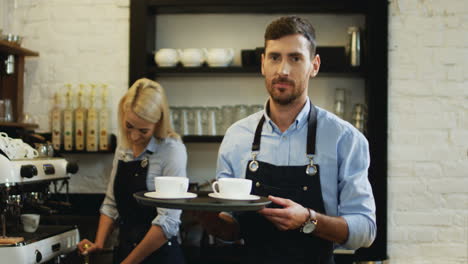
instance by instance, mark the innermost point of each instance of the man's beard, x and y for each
(281, 100)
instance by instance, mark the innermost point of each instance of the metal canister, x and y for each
(10, 64)
(354, 46)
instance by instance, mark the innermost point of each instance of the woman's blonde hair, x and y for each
(147, 99)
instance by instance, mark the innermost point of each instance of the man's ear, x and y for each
(263, 59)
(315, 66)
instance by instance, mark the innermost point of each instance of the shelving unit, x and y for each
(335, 65)
(12, 86)
(374, 71)
(26, 126)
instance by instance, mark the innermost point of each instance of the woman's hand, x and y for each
(85, 247)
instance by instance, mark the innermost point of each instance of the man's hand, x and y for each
(290, 217)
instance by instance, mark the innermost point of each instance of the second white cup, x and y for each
(30, 222)
(171, 185)
(232, 187)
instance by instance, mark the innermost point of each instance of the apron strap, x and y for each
(311, 131)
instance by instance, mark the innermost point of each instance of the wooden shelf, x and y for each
(11, 48)
(335, 64)
(85, 152)
(18, 125)
(257, 6)
(202, 139)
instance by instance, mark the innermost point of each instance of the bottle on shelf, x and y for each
(56, 123)
(354, 46)
(68, 120)
(92, 122)
(104, 114)
(360, 117)
(80, 120)
(339, 108)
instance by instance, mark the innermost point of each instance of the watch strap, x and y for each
(312, 219)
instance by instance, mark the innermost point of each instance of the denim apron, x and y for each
(135, 219)
(301, 184)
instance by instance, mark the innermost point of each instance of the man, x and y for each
(311, 164)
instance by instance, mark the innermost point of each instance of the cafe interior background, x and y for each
(427, 214)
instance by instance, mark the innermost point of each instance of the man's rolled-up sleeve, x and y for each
(356, 200)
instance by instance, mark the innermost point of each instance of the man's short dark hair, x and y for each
(290, 25)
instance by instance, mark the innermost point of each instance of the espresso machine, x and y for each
(25, 187)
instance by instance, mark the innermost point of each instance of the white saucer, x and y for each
(156, 195)
(249, 197)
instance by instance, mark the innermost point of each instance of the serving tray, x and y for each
(203, 203)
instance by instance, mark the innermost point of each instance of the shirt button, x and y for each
(305, 188)
(136, 174)
(257, 184)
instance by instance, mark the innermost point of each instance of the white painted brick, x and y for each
(428, 169)
(422, 234)
(460, 219)
(443, 250)
(456, 38)
(452, 21)
(402, 202)
(424, 121)
(446, 9)
(459, 136)
(432, 72)
(464, 22)
(401, 186)
(432, 38)
(419, 219)
(401, 169)
(404, 153)
(403, 72)
(455, 168)
(451, 234)
(454, 73)
(410, 87)
(446, 186)
(397, 137)
(452, 89)
(397, 234)
(451, 56)
(456, 201)
(408, 7)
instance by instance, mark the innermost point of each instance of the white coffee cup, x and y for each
(30, 222)
(232, 187)
(171, 185)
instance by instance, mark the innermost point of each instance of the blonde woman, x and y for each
(148, 147)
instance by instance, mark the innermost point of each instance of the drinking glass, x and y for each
(198, 121)
(227, 117)
(175, 119)
(242, 111)
(255, 108)
(2, 110)
(212, 121)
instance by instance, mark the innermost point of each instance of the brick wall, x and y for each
(428, 106)
(428, 131)
(79, 42)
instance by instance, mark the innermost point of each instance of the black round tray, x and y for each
(203, 203)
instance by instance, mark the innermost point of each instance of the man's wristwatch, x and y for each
(310, 224)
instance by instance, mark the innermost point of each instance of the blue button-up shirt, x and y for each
(342, 153)
(168, 158)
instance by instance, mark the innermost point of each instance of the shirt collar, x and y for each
(127, 154)
(301, 118)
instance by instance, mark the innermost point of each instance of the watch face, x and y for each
(308, 228)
